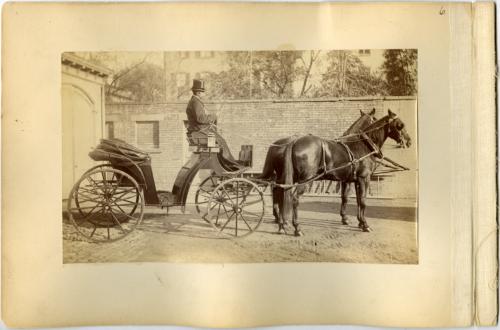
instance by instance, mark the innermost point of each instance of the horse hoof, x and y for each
(281, 231)
(345, 222)
(367, 229)
(299, 233)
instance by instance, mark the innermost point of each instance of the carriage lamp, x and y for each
(211, 140)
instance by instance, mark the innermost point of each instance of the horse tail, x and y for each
(287, 179)
(268, 170)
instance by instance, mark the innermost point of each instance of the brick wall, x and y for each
(259, 123)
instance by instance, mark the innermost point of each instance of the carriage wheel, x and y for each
(236, 207)
(205, 190)
(103, 166)
(107, 204)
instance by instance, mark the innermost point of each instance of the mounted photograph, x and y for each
(262, 156)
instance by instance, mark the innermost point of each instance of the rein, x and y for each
(364, 137)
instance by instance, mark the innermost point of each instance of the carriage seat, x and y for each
(196, 138)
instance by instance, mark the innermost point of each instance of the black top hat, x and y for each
(198, 85)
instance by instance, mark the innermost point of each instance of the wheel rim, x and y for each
(107, 203)
(204, 192)
(236, 208)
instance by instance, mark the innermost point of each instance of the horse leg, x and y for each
(361, 199)
(276, 209)
(295, 218)
(345, 197)
(279, 197)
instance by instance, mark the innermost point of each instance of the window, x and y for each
(148, 134)
(197, 54)
(364, 52)
(184, 55)
(109, 130)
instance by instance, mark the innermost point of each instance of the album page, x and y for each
(139, 184)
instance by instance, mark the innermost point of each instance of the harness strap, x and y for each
(373, 146)
(323, 153)
(351, 158)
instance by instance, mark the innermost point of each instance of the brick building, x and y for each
(159, 129)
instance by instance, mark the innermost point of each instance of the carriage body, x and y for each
(131, 160)
(107, 202)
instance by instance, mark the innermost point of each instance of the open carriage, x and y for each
(109, 200)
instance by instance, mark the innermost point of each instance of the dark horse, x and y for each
(351, 160)
(275, 161)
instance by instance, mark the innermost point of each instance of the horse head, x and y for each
(397, 130)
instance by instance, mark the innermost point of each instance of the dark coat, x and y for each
(197, 117)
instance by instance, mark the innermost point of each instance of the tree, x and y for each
(233, 83)
(144, 82)
(306, 69)
(274, 73)
(400, 68)
(347, 76)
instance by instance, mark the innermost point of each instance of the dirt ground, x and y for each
(187, 238)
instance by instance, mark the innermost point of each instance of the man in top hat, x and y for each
(197, 117)
(200, 120)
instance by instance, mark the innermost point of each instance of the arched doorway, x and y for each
(81, 131)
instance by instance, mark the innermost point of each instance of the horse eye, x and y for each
(401, 126)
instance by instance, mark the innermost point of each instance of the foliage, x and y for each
(307, 61)
(233, 83)
(400, 67)
(152, 77)
(144, 82)
(274, 72)
(347, 76)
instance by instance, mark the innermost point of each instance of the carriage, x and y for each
(109, 200)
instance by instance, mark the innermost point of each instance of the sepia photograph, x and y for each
(228, 165)
(240, 156)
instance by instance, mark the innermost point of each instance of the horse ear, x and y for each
(372, 112)
(390, 113)
(361, 112)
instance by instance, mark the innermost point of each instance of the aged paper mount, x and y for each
(38, 290)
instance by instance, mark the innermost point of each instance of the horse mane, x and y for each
(375, 129)
(356, 126)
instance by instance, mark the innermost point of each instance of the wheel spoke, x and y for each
(227, 194)
(245, 221)
(89, 199)
(85, 208)
(236, 227)
(125, 202)
(206, 196)
(259, 200)
(93, 231)
(91, 191)
(129, 216)
(228, 220)
(116, 220)
(114, 202)
(246, 195)
(125, 192)
(225, 210)
(237, 193)
(252, 213)
(117, 184)
(218, 212)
